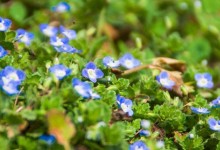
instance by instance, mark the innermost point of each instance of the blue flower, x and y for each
(11, 87)
(128, 61)
(94, 95)
(215, 103)
(10, 79)
(200, 110)
(4, 24)
(49, 139)
(70, 34)
(138, 145)
(48, 30)
(204, 80)
(92, 72)
(160, 144)
(214, 124)
(125, 104)
(84, 89)
(61, 7)
(60, 71)
(191, 135)
(144, 133)
(145, 124)
(66, 48)
(164, 80)
(24, 36)
(10, 74)
(3, 52)
(110, 62)
(56, 41)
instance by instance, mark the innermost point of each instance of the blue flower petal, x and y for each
(49, 139)
(90, 65)
(99, 73)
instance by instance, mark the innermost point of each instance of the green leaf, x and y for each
(18, 11)
(95, 46)
(27, 143)
(112, 135)
(29, 114)
(7, 45)
(96, 111)
(10, 35)
(4, 143)
(2, 36)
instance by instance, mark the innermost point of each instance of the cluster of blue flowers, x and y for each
(127, 61)
(60, 44)
(145, 124)
(203, 80)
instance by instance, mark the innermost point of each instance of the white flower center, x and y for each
(164, 81)
(80, 89)
(203, 82)
(217, 126)
(60, 73)
(124, 107)
(91, 73)
(1, 26)
(61, 8)
(201, 110)
(48, 31)
(138, 148)
(128, 63)
(58, 42)
(24, 38)
(13, 76)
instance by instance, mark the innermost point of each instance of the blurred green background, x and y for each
(183, 29)
(174, 28)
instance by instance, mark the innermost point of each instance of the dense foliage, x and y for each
(109, 74)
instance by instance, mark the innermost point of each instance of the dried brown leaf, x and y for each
(177, 78)
(173, 63)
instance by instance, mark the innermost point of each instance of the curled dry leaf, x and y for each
(173, 63)
(177, 78)
(61, 127)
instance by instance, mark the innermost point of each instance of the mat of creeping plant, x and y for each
(109, 75)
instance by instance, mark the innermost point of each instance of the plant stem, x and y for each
(136, 69)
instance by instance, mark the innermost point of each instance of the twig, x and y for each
(16, 99)
(136, 134)
(136, 69)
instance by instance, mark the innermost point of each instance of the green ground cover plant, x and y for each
(109, 75)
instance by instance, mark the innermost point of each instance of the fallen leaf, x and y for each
(177, 78)
(61, 127)
(173, 63)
